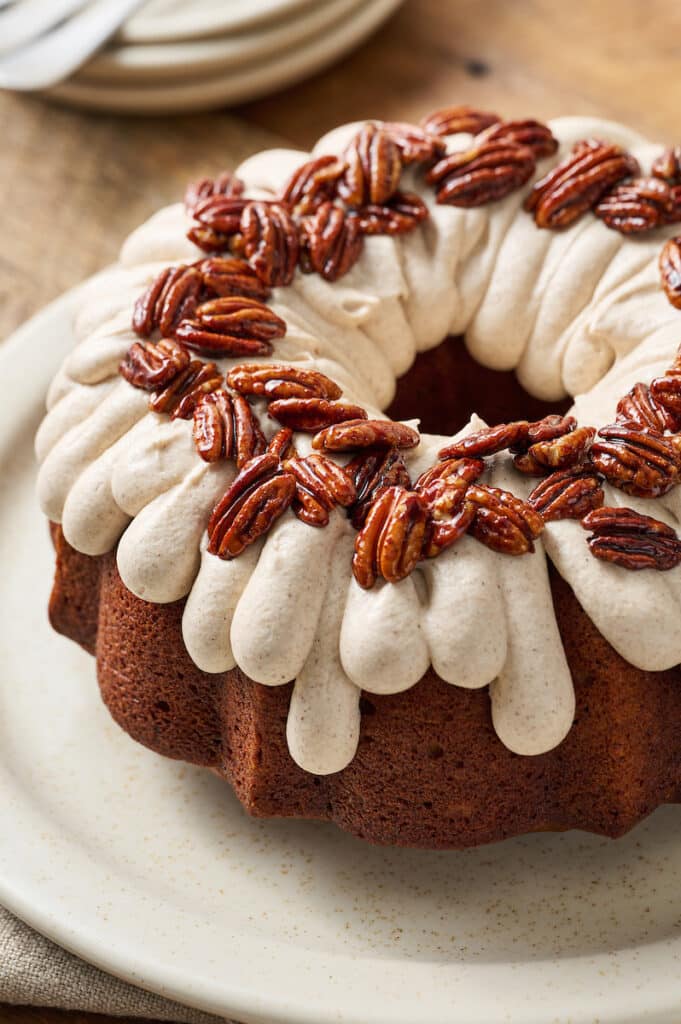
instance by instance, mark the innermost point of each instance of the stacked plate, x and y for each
(195, 54)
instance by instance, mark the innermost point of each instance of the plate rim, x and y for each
(141, 28)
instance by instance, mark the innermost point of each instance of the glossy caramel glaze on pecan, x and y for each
(372, 471)
(640, 409)
(502, 521)
(358, 433)
(631, 540)
(642, 204)
(374, 166)
(636, 461)
(518, 436)
(225, 184)
(404, 212)
(270, 240)
(259, 495)
(670, 270)
(225, 427)
(217, 219)
(179, 398)
(558, 453)
(452, 120)
(320, 485)
(171, 296)
(665, 392)
(312, 183)
(332, 241)
(312, 414)
(578, 182)
(487, 172)
(279, 381)
(416, 145)
(667, 165)
(231, 326)
(150, 365)
(534, 135)
(444, 488)
(230, 275)
(567, 494)
(391, 540)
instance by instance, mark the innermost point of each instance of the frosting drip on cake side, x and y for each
(578, 312)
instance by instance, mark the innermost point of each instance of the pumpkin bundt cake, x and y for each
(363, 479)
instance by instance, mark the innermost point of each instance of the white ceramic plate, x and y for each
(165, 20)
(241, 84)
(200, 58)
(150, 869)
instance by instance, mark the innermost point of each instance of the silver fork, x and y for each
(64, 46)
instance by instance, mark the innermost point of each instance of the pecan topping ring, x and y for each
(374, 166)
(331, 241)
(391, 541)
(640, 463)
(576, 184)
(259, 495)
(486, 173)
(345, 437)
(225, 427)
(635, 206)
(631, 540)
(279, 381)
(670, 270)
(270, 241)
(567, 494)
(312, 414)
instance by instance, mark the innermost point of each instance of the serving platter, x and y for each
(150, 869)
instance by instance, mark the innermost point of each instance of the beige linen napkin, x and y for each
(36, 972)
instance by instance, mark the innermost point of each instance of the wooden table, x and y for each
(74, 184)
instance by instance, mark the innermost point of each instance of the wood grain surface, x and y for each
(74, 184)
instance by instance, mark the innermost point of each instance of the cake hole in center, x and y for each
(446, 385)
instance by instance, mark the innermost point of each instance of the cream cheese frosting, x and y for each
(578, 312)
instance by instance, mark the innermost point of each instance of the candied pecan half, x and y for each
(358, 433)
(488, 441)
(487, 172)
(312, 183)
(180, 396)
(372, 470)
(218, 219)
(225, 184)
(153, 365)
(636, 461)
(451, 120)
(635, 206)
(578, 182)
(170, 297)
(231, 326)
(259, 495)
(670, 270)
(320, 485)
(270, 242)
(665, 392)
(225, 427)
(391, 541)
(667, 165)
(313, 414)
(640, 409)
(374, 166)
(416, 145)
(631, 540)
(331, 241)
(444, 488)
(502, 521)
(559, 453)
(279, 381)
(281, 444)
(567, 494)
(404, 212)
(231, 275)
(534, 135)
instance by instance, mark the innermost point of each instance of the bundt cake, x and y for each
(434, 637)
